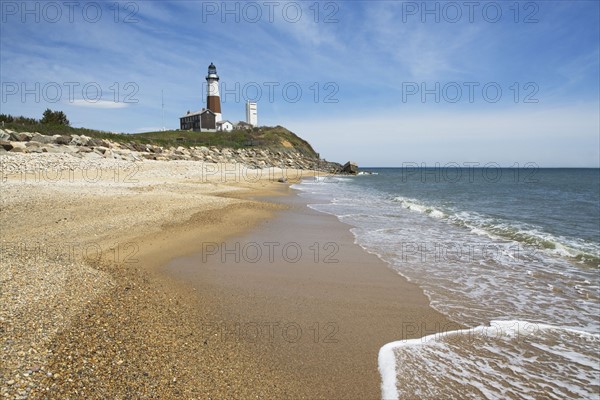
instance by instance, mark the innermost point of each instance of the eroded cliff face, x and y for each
(88, 148)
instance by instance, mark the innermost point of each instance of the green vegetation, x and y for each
(274, 138)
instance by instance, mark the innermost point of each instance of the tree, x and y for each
(54, 118)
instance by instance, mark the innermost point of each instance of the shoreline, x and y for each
(320, 318)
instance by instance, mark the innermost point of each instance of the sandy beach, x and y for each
(114, 285)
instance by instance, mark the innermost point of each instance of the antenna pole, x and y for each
(162, 97)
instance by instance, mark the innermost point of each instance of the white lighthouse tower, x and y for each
(213, 98)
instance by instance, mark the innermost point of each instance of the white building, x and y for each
(224, 126)
(251, 114)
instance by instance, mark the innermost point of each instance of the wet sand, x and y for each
(316, 317)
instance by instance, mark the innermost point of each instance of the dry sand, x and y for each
(87, 311)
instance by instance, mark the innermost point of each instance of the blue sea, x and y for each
(512, 254)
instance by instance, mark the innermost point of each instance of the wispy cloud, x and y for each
(105, 104)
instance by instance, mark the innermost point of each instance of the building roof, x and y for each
(243, 123)
(222, 122)
(189, 114)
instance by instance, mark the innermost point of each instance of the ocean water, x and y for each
(512, 254)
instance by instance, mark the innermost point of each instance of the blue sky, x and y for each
(382, 82)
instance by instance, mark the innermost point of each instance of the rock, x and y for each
(84, 149)
(6, 145)
(80, 140)
(35, 149)
(63, 139)
(350, 168)
(98, 143)
(109, 154)
(138, 147)
(122, 152)
(18, 147)
(4, 135)
(52, 149)
(21, 137)
(282, 180)
(36, 137)
(100, 149)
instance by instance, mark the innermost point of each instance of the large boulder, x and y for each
(350, 168)
(98, 143)
(6, 145)
(20, 136)
(79, 140)
(36, 137)
(49, 148)
(18, 147)
(100, 149)
(63, 139)
(33, 144)
(138, 147)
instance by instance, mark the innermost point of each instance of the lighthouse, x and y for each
(213, 99)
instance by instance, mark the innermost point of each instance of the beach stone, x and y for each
(18, 147)
(139, 147)
(109, 154)
(21, 137)
(79, 140)
(6, 145)
(63, 139)
(36, 137)
(52, 149)
(98, 143)
(350, 168)
(13, 136)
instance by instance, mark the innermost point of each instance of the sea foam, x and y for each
(524, 359)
